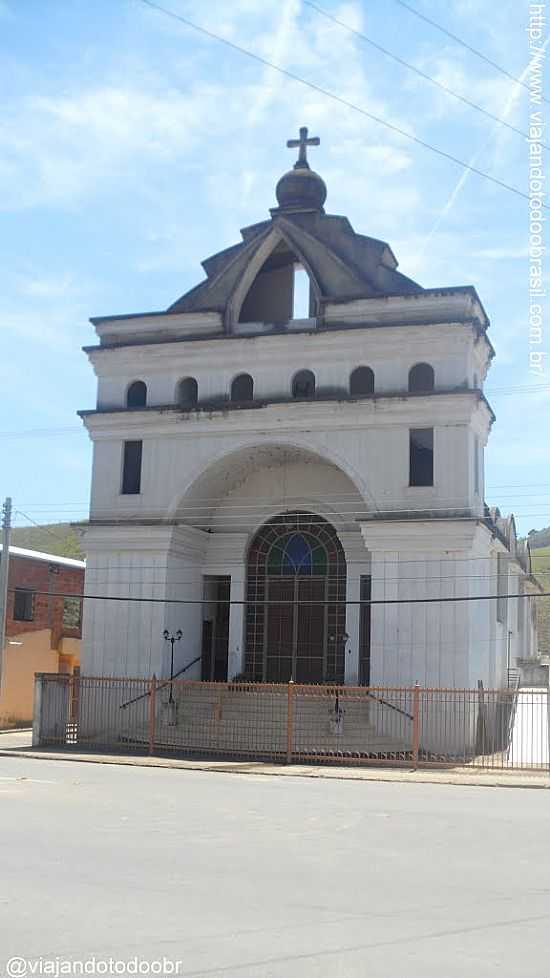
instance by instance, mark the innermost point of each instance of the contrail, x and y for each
(515, 92)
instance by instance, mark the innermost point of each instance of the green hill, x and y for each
(53, 538)
(539, 539)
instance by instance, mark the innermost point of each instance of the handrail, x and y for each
(379, 699)
(514, 689)
(161, 685)
(392, 706)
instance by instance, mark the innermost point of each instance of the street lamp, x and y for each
(172, 639)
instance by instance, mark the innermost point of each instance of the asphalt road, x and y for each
(237, 875)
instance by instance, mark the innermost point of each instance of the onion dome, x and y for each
(301, 188)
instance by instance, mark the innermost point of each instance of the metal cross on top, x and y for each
(303, 142)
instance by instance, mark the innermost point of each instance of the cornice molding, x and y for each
(282, 343)
(436, 536)
(456, 408)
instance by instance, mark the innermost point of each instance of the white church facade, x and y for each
(300, 489)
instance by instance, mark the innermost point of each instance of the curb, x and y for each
(265, 770)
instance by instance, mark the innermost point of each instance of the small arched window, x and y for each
(136, 395)
(242, 388)
(188, 392)
(421, 378)
(361, 381)
(303, 384)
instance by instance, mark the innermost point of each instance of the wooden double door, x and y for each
(296, 625)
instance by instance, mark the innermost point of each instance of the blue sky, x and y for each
(132, 147)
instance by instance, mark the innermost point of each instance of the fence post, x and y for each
(37, 708)
(481, 746)
(416, 726)
(152, 714)
(289, 721)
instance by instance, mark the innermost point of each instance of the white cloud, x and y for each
(60, 329)
(57, 149)
(63, 150)
(47, 288)
(500, 254)
(276, 49)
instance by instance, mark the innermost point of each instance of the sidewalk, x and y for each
(17, 744)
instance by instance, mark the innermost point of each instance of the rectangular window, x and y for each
(23, 605)
(502, 587)
(364, 630)
(71, 612)
(300, 294)
(421, 457)
(131, 468)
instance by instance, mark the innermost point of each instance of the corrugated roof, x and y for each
(50, 558)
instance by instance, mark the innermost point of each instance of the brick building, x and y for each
(42, 631)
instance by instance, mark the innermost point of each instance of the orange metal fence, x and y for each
(413, 726)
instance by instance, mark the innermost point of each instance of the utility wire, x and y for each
(387, 563)
(41, 507)
(464, 44)
(434, 579)
(244, 515)
(46, 432)
(40, 526)
(349, 505)
(218, 523)
(246, 601)
(337, 98)
(340, 498)
(40, 432)
(417, 71)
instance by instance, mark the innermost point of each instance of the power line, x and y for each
(387, 563)
(45, 529)
(338, 98)
(262, 602)
(43, 432)
(435, 579)
(350, 506)
(243, 518)
(47, 432)
(417, 71)
(492, 487)
(343, 501)
(364, 515)
(464, 44)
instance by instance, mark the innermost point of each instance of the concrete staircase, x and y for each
(235, 721)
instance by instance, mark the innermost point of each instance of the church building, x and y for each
(290, 459)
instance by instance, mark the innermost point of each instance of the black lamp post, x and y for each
(172, 639)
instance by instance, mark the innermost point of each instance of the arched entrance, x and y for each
(296, 610)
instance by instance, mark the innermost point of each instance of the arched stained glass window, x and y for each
(296, 601)
(297, 553)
